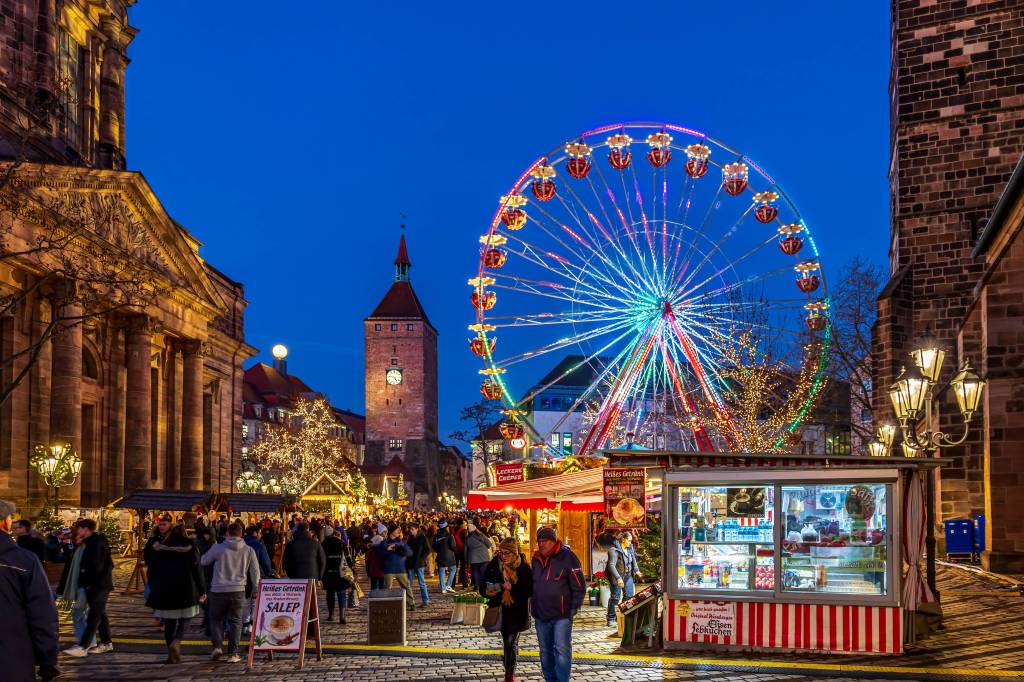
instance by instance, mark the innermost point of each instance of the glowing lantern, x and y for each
(619, 156)
(543, 187)
(765, 212)
(490, 390)
(511, 430)
(816, 319)
(790, 243)
(808, 281)
(494, 258)
(482, 346)
(734, 178)
(660, 153)
(578, 164)
(697, 160)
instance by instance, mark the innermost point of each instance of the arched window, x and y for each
(90, 366)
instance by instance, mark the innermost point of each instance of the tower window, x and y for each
(394, 444)
(376, 327)
(394, 327)
(394, 362)
(69, 84)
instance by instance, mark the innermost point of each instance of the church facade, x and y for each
(116, 336)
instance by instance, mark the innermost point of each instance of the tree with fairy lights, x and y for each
(305, 452)
(763, 395)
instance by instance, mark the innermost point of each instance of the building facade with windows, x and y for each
(116, 336)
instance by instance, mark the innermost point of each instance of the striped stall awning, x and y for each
(579, 490)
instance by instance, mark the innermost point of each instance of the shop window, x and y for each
(834, 538)
(394, 444)
(726, 538)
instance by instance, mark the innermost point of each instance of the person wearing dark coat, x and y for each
(393, 552)
(304, 557)
(558, 590)
(176, 585)
(459, 534)
(374, 564)
(262, 556)
(205, 538)
(28, 540)
(444, 548)
(28, 627)
(416, 562)
(508, 583)
(335, 584)
(96, 576)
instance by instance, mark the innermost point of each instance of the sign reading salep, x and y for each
(508, 473)
(280, 615)
(624, 498)
(710, 618)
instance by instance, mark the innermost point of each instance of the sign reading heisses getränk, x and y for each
(624, 498)
(280, 615)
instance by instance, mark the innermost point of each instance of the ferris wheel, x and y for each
(644, 252)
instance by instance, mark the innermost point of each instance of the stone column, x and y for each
(116, 417)
(192, 416)
(66, 384)
(138, 407)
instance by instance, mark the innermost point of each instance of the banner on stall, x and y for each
(710, 618)
(624, 498)
(504, 474)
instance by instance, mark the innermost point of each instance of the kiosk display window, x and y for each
(797, 537)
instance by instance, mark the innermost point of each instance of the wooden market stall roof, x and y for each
(177, 500)
(576, 491)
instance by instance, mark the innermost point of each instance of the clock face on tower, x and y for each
(394, 376)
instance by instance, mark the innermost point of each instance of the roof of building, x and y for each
(355, 422)
(393, 468)
(581, 377)
(400, 302)
(1010, 195)
(403, 254)
(267, 381)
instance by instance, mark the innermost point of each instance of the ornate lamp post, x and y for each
(449, 502)
(59, 465)
(249, 482)
(912, 395)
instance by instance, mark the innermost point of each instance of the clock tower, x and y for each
(401, 382)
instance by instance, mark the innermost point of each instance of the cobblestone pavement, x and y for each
(983, 638)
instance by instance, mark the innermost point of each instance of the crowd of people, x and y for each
(209, 566)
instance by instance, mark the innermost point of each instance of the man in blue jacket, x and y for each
(558, 590)
(393, 553)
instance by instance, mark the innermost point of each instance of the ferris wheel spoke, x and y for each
(562, 317)
(540, 286)
(537, 292)
(575, 273)
(626, 226)
(747, 280)
(562, 343)
(714, 249)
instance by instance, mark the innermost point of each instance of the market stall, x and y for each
(792, 552)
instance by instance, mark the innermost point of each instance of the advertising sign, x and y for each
(710, 618)
(508, 473)
(280, 615)
(624, 498)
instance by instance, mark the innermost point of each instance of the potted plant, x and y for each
(603, 586)
(468, 609)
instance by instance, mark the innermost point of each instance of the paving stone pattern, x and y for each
(982, 633)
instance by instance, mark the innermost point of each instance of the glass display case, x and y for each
(811, 536)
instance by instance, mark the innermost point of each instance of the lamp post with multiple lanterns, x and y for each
(912, 395)
(59, 466)
(249, 482)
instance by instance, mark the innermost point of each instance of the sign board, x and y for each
(710, 618)
(744, 502)
(505, 474)
(624, 498)
(638, 599)
(282, 611)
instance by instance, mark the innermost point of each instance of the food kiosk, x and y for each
(765, 552)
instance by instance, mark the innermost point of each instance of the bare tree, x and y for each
(86, 255)
(479, 417)
(853, 314)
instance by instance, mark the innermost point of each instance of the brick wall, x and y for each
(957, 92)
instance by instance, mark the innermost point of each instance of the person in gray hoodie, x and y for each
(235, 571)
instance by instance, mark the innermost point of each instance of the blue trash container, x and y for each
(959, 536)
(979, 534)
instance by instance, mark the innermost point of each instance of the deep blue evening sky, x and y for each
(288, 137)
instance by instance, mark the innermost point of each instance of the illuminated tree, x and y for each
(312, 447)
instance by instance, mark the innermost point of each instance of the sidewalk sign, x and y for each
(280, 619)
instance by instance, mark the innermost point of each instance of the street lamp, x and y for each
(59, 465)
(249, 482)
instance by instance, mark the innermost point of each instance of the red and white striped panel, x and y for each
(815, 627)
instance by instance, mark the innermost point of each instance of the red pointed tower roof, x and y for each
(400, 302)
